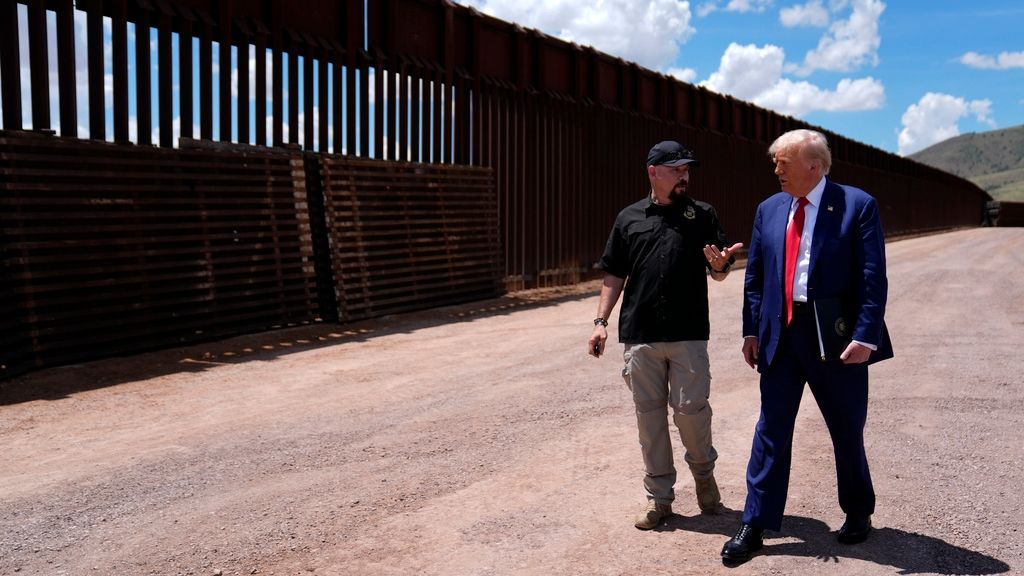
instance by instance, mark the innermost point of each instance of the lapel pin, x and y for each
(829, 208)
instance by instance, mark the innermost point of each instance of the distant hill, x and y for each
(993, 160)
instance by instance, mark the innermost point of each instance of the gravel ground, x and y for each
(482, 440)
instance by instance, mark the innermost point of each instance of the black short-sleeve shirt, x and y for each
(659, 250)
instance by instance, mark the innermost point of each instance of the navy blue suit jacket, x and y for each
(847, 262)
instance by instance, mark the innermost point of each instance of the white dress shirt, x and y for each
(803, 261)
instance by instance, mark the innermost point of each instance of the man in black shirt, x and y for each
(663, 245)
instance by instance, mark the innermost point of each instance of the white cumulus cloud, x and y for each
(733, 6)
(812, 14)
(801, 98)
(747, 71)
(935, 117)
(1004, 61)
(755, 74)
(648, 33)
(848, 44)
(684, 74)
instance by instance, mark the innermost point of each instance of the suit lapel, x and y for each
(780, 220)
(823, 225)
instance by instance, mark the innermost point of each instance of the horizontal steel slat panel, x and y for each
(114, 248)
(379, 217)
(257, 242)
(411, 301)
(406, 235)
(362, 310)
(75, 321)
(172, 229)
(425, 254)
(392, 276)
(187, 328)
(190, 255)
(395, 258)
(424, 290)
(159, 193)
(176, 301)
(194, 281)
(457, 189)
(17, 150)
(268, 216)
(132, 268)
(46, 172)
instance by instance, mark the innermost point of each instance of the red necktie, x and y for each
(793, 233)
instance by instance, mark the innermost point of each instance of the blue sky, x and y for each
(899, 75)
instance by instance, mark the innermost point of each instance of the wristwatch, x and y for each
(600, 322)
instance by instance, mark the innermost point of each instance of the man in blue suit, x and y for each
(812, 243)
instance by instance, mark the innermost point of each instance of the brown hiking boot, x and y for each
(652, 514)
(708, 497)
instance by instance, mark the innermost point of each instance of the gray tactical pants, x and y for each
(676, 374)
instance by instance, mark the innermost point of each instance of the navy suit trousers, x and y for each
(841, 392)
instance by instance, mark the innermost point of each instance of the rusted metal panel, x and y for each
(111, 249)
(185, 82)
(555, 60)
(242, 113)
(10, 65)
(417, 29)
(292, 59)
(38, 62)
(143, 84)
(224, 37)
(1010, 214)
(379, 106)
(308, 123)
(609, 86)
(206, 79)
(260, 97)
(407, 236)
(119, 57)
(66, 83)
(165, 84)
(97, 107)
(647, 94)
(496, 55)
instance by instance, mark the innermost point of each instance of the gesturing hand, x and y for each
(720, 259)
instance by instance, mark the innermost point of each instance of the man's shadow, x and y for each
(910, 552)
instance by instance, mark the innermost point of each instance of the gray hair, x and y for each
(813, 145)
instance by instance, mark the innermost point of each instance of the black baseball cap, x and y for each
(670, 153)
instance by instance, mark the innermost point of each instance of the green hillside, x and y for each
(993, 160)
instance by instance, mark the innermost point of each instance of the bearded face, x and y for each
(679, 190)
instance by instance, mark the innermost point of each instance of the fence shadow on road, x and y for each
(60, 382)
(909, 552)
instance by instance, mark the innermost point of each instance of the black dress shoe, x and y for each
(746, 541)
(855, 530)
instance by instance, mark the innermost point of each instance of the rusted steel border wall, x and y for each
(1009, 214)
(112, 248)
(109, 249)
(565, 128)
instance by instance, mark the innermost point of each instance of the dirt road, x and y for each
(482, 440)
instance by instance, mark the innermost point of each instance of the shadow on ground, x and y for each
(62, 381)
(909, 552)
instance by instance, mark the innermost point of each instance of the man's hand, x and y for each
(595, 346)
(750, 351)
(720, 259)
(855, 354)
